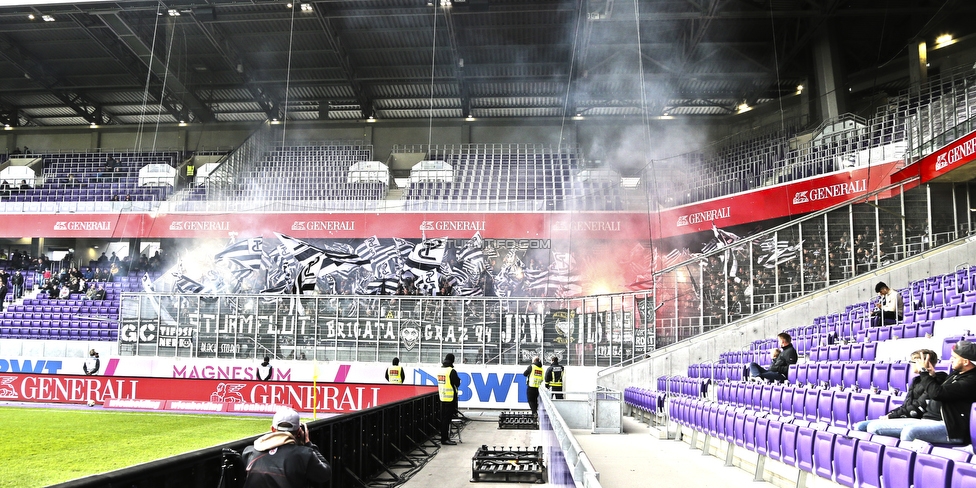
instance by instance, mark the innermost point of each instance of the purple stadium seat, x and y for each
(728, 428)
(774, 433)
(868, 464)
(932, 471)
(823, 373)
(811, 401)
(898, 467)
(898, 376)
(911, 331)
(825, 405)
(738, 428)
(879, 376)
(749, 432)
(776, 401)
(787, 444)
(857, 351)
(957, 455)
(845, 352)
(762, 436)
(848, 375)
(836, 374)
(963, 475)
(877, 406)
(804, 448)
(833, 353)
(797, 404)
(823, 454)
(765, 397)
(864, 372)
(840, 406)
(844, 457)
(966, 309)
(797, 374)
(858, 409)
(870, 352)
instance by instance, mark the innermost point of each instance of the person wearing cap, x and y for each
(448, 382)
(92, 363)
(284, 457)
(554, 378)
(394, 374)
(956, 393)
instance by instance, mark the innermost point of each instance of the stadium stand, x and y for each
(849, 375)
(89, 177)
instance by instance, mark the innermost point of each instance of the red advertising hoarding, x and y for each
(182, 394)
(959, 153)
(773, 202)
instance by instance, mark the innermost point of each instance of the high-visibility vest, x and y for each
(557, 376)
(395, 374)
(445, 390)
(535, 378)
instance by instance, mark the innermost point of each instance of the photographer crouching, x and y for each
(284, 457)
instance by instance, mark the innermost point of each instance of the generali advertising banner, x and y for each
(202, 384)
(768, 203)
(957, 154)
(150, 392)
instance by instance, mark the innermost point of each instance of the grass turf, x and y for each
(41, 446)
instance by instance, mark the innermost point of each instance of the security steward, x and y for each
(394, 374)
(448, 382)
(533, 380)
(554, 378)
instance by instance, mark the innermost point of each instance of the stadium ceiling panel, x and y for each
(89, 61)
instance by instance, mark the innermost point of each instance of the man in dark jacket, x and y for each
(554, 378)
(957, 393)
(917, 405)
(284, 457)
(781, 365)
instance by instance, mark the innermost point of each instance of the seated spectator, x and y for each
(889, 308)
(24, 185)
(96, 293)
(956, 393)
(4, 189)
(917, 406)
(72, 181)
(781, 365)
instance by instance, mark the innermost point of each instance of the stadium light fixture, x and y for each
(47, 18)
(743, 107)
(307, 8)
(578, 116)
(31, 17)
(799, 89)
(182, 123)
(7, 127)
(943, 40)
(173, 12)
(275, 121)
(469, 118)
(93, 125)
(371, 119)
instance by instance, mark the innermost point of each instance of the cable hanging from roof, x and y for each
(284, 110)
(433, 59)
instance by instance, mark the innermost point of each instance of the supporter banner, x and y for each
(324, 397)
(767, 203)
(482, 386)
(959, 153)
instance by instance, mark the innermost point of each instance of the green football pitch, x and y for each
(45, 446)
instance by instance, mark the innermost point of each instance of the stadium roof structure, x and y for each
(139, 61)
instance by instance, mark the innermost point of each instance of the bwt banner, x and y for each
(324, 397)
(492, 387)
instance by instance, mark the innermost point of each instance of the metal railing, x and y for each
(568, 464)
